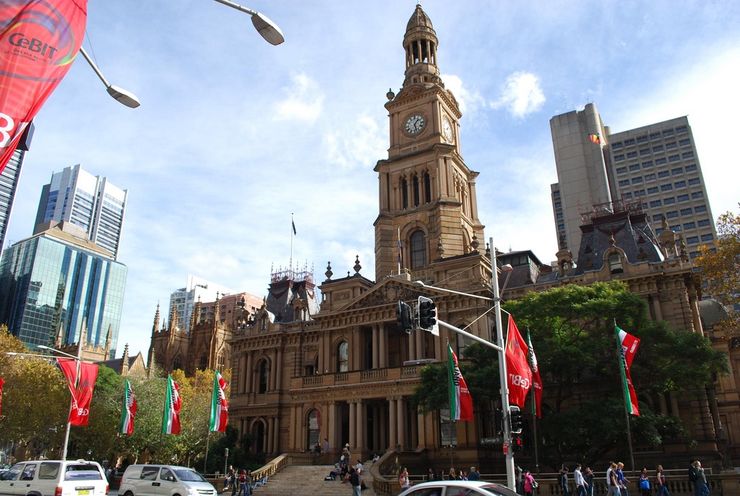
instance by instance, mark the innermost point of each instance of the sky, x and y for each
(234, 135)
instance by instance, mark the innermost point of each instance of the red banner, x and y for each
(39, 40)
(517, 366)
(81, 387)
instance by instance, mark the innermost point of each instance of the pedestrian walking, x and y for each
(528, 483)
(354, 480)
(580, 482)
(588, 476)
(661, 487)
(563, 480)
(644, 483)
(612, 484)
(473, 475)
(622, 480)
(698, 479)
(403, 479)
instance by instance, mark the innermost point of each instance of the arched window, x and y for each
(427, 187)
(416, 190)
(263, 373)
(404, 193)
(615, 264)
(343, 357)
(418, 250)
(312, 429)
(220, 362)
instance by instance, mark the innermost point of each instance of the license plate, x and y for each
(83, 492)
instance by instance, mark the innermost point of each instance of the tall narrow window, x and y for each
(404, 193)
(418, 250)
(312, 429)
(416, 190)
(263, 372)
(427, 188)
(343, 357)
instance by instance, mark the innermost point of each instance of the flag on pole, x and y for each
(292, 223)
(38, 43)
(627, 344)
(594, 138)
(128, 412)
(517, 367)
(219, 404)
(536, 378)
(172, 406)
(81, 377)
(2, 382)
(461, 403)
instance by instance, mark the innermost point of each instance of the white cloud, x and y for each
(304, 100)
(521, 94)
(469, 100)
(361, 142)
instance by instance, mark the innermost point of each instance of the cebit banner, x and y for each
(39, 39)
(81, 386)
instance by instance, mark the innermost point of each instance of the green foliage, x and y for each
(572, 330)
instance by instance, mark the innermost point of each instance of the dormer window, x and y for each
(615, 264)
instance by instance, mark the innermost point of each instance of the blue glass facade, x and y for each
(46, 284)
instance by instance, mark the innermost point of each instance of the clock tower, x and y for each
(427, 193)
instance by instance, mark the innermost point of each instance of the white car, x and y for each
(54, 478)
(458, 488)
(164, 480)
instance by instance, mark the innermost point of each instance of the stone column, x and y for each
(273, 371)
(392, 423)
(382, 349)
(292, 431)
(414, 438)
(332, 428)
(352, 424)
(421, 430)
(360, 428)
(419, 345)
(400, 419)
(376, 341)
(412, 345)
(268, 435)
(276, 435)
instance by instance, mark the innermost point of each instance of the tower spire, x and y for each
(420, 43)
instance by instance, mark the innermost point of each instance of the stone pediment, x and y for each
(389, 292)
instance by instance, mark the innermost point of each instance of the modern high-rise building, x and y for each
(9, 181)
(91, 202)
(56, 284)
(655, 167)
(182, 301)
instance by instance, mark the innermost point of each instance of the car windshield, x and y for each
(188, 475)
(82, 471)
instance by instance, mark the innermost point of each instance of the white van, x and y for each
(164, 480)
(54, 478)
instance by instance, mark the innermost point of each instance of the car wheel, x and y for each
(128, 493)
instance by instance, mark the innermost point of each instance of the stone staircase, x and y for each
(308, 480)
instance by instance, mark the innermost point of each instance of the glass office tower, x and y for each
(57, 283)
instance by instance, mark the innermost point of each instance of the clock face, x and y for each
(447, 129)
(415, 124)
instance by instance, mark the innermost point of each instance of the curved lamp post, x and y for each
(264, 26)
(124, 97)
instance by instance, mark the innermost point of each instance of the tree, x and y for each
(721, 271)
(572, 329)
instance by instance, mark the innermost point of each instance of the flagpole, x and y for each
(399, 251)
(71, 401)
(508, 449)
(622, 365)
(292, 229)
(205, 461)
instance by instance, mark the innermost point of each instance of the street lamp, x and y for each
(122, 96)
(264, 26)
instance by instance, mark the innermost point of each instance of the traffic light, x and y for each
(403, 315)
(517, 444)
(516, 419)
(428, 315)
